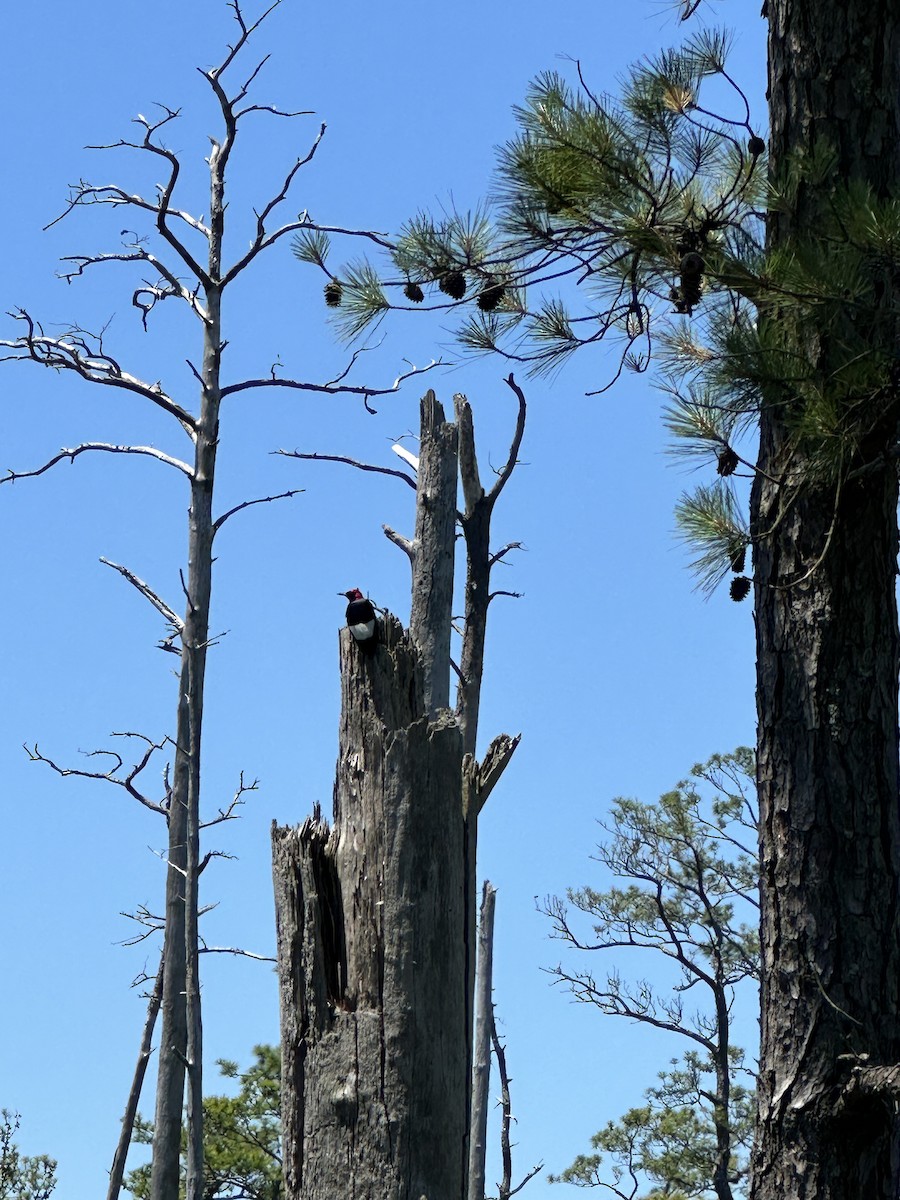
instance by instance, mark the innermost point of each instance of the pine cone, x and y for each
(691, 265)
(756, 146)
(413, 292)
(333, 293)
(453, 284)
(738, 559)
(740, 588)
(490, 296)
(727, 462)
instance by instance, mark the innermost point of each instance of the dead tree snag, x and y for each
(372, 951)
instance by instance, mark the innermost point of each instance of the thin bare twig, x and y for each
(263, 239)
(505, 1188)
(220, 521)
(228, 812)
(350, 462)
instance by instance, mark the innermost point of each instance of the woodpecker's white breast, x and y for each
(363, 631)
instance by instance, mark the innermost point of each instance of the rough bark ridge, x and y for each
(372, 951)
(827, 687)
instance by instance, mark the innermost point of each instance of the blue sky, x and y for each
(416, 99)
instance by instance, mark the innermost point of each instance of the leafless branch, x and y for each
(360, 350)
(203, 864)
(246, 31)
(264, 239)
(150, 922)
(148, 593)
(328, 388)
(220, 521)
(505, 1188)
(350, 462)
(500, 555)
(71, 454)
(84, 193)
(117, 1171)
(513, 457)
(82, 352)
(398, 539)
(228, 812)
(111, 776)
(239, 953)
(155, 291)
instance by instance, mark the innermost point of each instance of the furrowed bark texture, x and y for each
(827, 685)
(371, 949)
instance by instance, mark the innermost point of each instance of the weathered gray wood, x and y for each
(117, 1170)
(481, 1057)
(371, 950)
(475, 519)
(435, 542)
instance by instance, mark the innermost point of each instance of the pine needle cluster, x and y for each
(638, 221)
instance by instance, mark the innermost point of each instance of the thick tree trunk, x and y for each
(371, 950)
(825, 571)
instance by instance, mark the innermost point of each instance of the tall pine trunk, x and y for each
(827, 642)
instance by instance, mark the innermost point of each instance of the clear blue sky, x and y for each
(416, 99)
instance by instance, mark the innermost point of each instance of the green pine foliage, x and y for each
(362, 299)
(241, 1136)
(22, 1176)
(709, 519)
(668, 1143)
(687, 876)
(637, 221)
(312, 246)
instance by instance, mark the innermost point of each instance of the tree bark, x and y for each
(371, 950)
(435, 542)
(481, 1058)
(827, 640)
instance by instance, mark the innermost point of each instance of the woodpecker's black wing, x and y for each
(362, 622)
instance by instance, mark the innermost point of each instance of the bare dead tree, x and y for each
(172, 270)
(117, 1172)
(406, 792)
(505, 1189)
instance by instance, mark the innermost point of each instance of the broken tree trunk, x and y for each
(431, 551)
(372, 952)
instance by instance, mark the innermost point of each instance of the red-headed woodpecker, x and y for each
(361, 619)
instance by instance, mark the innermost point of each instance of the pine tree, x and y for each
(768, 293)
(686, 893)
(22, 1176)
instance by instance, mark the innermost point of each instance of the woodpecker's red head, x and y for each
(353, 594)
